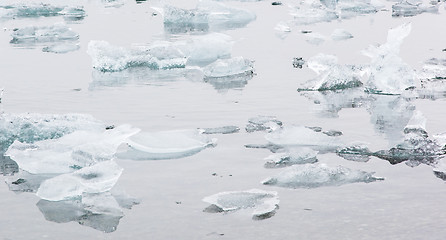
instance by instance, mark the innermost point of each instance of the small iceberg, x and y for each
(97, 178)
(166, 145)
(264, 203)
(318, 175)
(291, 157)
(388, 73)
(331, 75)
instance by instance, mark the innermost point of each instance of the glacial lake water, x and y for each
(407, 204)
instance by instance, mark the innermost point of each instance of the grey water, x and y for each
(222, 131)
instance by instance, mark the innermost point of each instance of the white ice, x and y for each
(318, 175)
(291, 157)
(235, 66)
(98, 178)
(166, 145)
(264, 203)
(58, 32)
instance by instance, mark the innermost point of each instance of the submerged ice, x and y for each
(264, 203)
(318, 175)
(166, 145)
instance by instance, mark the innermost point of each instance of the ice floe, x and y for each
(207, 16)
(406, 8)
(291, 157)
(166, 145)
(318, 175)
(264, 203)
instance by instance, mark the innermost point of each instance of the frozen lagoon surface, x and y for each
(407, 204)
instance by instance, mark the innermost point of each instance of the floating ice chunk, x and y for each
(318, 175)
(299, 136)
(340, 34)
(223, 68)
(416, 124)
(408, 9)
(348, 9)
(58, 32)
(332, 76)
(166, 145)
(70, 152)
(220, 130)
(207, 15)
(98, 178)
(72, 13)
(264, 203)
(262, 123)
(61, 48)
(433, 68)
(108, 58)
(298, 62)
(388, 73)
(291, 157)
(31, 127)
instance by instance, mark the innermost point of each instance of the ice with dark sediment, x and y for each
(35, 10)
(355, 152)
(319, 175)
(417, 147)
(263, 123)
(263, 203)
(220, 130)
(70, 152)
(198, 50)
(98, 178)
(300, 136)
(433, 79)
(406, 8)
(58, 38)
(101, 211)
(331, 75)
(208, 15)
(32, 127)
(389, 74)
(166, 145)
(290, 157)
(340, 34)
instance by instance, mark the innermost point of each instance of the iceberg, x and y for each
(165, 145)
(32, 127)
(69, 152)
(264, 203)
(291, 157)
(318, 175)
(208, 15)
(388, 73)
(409, 9)
(97, 178)
(263, 123)
(220, 130)
(300, 136)
(331, 75)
